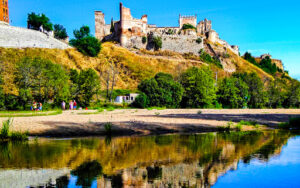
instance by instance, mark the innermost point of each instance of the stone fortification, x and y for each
(130, 32)
(16, 37)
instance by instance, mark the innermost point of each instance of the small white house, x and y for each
(130, 98)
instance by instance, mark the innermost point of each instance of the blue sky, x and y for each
(258, 26)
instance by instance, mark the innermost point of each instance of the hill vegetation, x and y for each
(118, 68)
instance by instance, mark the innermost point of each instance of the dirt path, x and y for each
(142, 121)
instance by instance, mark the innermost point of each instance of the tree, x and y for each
(198, 84)
(110, 76)
(276, 93)
(293, 95)
(35, 21)
(248, 57)
(257, 94)
(85, 43)
(233, 93)
(60, 32)
(2, 97)
(112, 26)
(84, 85)
(162, 91)
(41, 80)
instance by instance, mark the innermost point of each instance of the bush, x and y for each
(60, 32)
(144, 40)
(141, 101)
(85, 43)
(162, 91)
(199, 40)
(205, 57)
(188, 26)
(157, 41)
(108, 128)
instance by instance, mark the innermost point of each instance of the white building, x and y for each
(130, 98)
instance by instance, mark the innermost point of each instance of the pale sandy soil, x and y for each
(142, 121)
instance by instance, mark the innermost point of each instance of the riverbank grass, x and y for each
(11, 114)
(7, 135)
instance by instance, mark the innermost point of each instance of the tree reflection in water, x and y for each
(155, 161)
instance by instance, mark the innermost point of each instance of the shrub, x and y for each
(162, 90)
(170, 32)
(294, 123)
(144, 40)
(199, 40)
(157, 41)
(205, 57)
(188, 26)
(4, 132)
(199, 112)
(108, 128)
(85, 43)
(141, 101)
(60, 32)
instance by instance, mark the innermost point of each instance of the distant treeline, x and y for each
(44, 81)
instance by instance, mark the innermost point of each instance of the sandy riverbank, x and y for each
(143, 122)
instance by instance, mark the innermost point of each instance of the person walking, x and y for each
(63, 105)
(34, 106)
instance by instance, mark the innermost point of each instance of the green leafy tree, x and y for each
(198, 84)
(60, 32)
(2, 97)
(233, 93)
(85, 43)
(293, 95)
(205, 57)
(248, 57)
(84, 86)
(257, 94)
(162, 91)
(35, 21)
(276, 93)
(41, 80)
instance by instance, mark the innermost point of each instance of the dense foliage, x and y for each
(199, 88)
(85, 42)
(162, 91)
(35, 21)
(157, 42)
(60, 32)
(188, 26)
(233, 93)
(84, 85)
(265, 64)
(205, 57)
(42, 81)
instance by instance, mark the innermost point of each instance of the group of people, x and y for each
(36, 106)
(72, 105)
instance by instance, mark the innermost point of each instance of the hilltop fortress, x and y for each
(129, 32)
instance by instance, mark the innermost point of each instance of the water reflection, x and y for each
(157, 161)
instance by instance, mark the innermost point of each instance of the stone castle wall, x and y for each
(16, 37)
(129, 32)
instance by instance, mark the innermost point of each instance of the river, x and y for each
(236, 159)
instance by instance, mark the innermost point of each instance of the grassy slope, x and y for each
(132, 67)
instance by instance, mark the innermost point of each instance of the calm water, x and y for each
(252, 159)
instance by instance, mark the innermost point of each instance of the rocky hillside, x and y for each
(133, 65)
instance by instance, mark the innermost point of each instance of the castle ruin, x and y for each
(129, 32)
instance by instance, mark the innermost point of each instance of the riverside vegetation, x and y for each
(7, 135)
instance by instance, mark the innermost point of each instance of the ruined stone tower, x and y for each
(204, 26)
(4, 11)
(187, 20)
(101, 29)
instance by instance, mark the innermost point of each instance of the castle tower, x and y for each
(187, 20)
(4, 11)
(99, 25)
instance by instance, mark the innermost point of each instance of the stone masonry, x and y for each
(129, 32)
